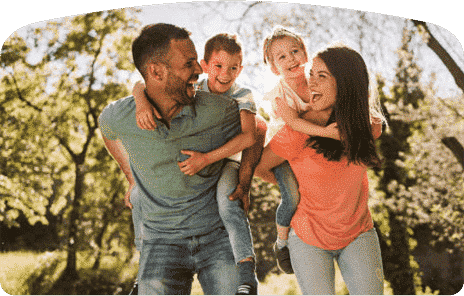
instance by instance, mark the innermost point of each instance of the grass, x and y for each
(16, 267)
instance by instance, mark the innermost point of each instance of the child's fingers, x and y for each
(187, 152)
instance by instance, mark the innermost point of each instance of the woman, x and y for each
(333, 219)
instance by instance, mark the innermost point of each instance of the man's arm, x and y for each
(119, 153)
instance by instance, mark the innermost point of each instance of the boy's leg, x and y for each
(361, 265)
(137, 222)
(236, 224)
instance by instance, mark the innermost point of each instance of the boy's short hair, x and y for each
(279, 33)
(227, 42)
(153, 44)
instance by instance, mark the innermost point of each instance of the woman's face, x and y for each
(323, 86)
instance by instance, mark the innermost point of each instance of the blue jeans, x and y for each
(360, 264)
(232, 214)
(167, 266)
(290, 196)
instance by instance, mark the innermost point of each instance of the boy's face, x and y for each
(222, 69)
(288, 58)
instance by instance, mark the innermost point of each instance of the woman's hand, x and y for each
(195, 163)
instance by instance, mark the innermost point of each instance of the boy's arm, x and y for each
(245, 139)
(143, 109)
(250, 159)
(117, 150)
(291, 118)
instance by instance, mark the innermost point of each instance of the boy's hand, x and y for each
(332, 131)
(195, 163)
(242, 193)
(145, 118)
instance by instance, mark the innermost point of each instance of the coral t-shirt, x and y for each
(333, 207)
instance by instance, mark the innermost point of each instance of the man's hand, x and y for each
(127, 196)
(242, 193)
(195, 163)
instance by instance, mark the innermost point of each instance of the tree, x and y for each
(53, 104)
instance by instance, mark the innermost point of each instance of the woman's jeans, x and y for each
(232, 215)
(167, 266)
(290, 197)
(360, 264)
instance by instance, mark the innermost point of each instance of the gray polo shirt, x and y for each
(174, 205)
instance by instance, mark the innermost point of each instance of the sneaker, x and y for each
(135, 289)
(246, 289)
(283, 259)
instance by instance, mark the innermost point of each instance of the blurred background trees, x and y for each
(60, 190)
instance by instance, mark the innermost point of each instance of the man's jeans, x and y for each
(167, 266)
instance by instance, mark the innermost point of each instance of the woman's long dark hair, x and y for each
(351, 111)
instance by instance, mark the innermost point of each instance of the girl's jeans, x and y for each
(232, 215)
(289, 193)
(360, 264)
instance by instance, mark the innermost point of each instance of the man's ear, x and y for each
(157, 71)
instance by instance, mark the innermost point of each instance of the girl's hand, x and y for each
(332, 131)
(195, 163)
(145, 118)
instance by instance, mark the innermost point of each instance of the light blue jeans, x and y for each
(290, 197)
(360, 264)
(167, 266)
(232, 215)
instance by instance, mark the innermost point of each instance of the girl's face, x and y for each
(323, 86)
(288, 58)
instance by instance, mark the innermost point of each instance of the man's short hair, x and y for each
(227, 42)
(153, 43)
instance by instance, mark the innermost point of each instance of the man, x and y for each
(182, 231)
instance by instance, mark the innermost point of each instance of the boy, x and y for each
(223, 64)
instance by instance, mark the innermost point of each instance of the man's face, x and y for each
(183, 71)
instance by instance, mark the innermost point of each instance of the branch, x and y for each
(20, 95)
(444, 56)
(453, 144)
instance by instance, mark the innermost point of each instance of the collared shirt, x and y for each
(173, 204)
(243, 97)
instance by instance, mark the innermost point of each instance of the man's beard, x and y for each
(177, 88)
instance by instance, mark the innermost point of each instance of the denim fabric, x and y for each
(167, 266)
(290, 197)
(137, 218)
(360, 264)
(232, 215)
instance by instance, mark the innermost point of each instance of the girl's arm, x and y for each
(143, 109)
(291, 118)
(245, 139)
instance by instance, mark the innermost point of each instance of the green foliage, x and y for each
(56, 81)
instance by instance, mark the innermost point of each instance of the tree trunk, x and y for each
(442, 54)
(70, 271)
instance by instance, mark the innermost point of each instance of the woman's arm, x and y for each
(291, 118)
(247, 138)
